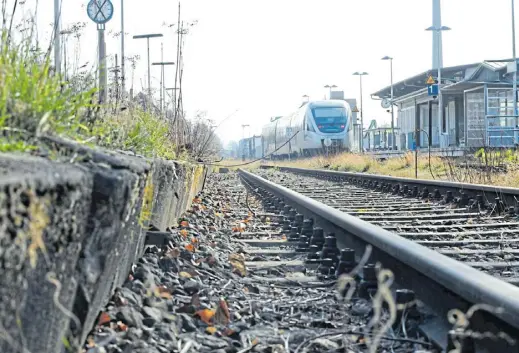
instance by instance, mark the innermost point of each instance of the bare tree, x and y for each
(201, 141)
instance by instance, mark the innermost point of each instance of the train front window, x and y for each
(330, 119)
(329, 115)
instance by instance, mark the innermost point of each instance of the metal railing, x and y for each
(502, 130)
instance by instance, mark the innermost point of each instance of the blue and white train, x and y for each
(313, 123)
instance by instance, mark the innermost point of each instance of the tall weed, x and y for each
(33, 100)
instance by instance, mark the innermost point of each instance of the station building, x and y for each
(477, 108)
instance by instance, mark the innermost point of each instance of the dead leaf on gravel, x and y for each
(103, 319)
(206, 315)
(222, 315)
(236, 257)
(185, 274)
(163, 292)
(121, 326)
(211, 330)
(237, 261)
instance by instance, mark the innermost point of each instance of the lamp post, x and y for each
(123, 73)
(393, 142)
(57, 37)
(65, 35)
(330, 87)
(360, 74)
(515, 59)
(162, 80)
(437, 31)
(148, 36)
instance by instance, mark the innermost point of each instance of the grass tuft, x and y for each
(36, 102)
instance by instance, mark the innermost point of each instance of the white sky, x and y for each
(261, 56)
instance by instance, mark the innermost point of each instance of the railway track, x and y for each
(474, 233)
(302, 298)
(453, 245)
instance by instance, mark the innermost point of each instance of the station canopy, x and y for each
(493, 72)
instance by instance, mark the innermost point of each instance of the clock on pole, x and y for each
(100, 11)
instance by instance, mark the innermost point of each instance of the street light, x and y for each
(330, 87)
(65, 34)
(162, 80)
(393, 142)
(123, 72)
(360, 74)
(148, 36)
(440, 97)
(515, 59)
(57, 37)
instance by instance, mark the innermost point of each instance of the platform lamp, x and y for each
(147, 37)
(162, 79)
(515, 60)
(330, 87)
(393, 142)
(360, 74)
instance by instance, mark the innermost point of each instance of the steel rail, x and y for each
(508, 195)
(468, 283)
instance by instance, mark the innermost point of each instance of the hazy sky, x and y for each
(261, 56)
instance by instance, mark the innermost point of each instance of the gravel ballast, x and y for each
(207, 290)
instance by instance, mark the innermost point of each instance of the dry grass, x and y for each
(235, 164)
(440, 168)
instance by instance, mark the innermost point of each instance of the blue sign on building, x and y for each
(432, 90)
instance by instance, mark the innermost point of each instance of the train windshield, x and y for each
(329, 115)
(330, 119)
